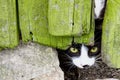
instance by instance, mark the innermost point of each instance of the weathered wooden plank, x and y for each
(60, 17)
(69, 17)
(111, 34)
(34, 25)
(25, 18)
(82, 16)
(8, 26)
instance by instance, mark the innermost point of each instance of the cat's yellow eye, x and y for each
(73, 50)
(94, 49)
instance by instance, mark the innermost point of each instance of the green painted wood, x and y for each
(111, 34)
(69, 17)
(34, 25)
(82, 17)
(25, 19)
(8, 26)
(60, 16)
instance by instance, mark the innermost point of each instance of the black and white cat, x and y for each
(99, 8)
(99, 11)
(79, 55)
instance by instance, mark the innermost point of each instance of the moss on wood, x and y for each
(111, 34)
(34, 25)
(8, 26)
(69, 17)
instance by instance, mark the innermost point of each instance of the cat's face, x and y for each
(80, 55)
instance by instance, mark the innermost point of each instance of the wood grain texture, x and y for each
(8, 24)
(111, 34)
(69, 17)
(82, 17)
(60, 17)
(34, 25)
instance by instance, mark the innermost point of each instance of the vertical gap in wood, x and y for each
(73, 15)
(30, 22)
(91, 15)
(17, 20)
(73, 21)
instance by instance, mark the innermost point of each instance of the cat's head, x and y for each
(80, 55)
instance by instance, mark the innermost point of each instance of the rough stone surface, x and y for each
(30, 62)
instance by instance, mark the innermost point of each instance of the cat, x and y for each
(99, 11)
(79, 56)
(99, 8)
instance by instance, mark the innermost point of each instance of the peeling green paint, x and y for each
(111, 34)
(34, 19)
(8, 26)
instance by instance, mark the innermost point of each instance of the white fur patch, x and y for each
(99, 5)
(83, 59)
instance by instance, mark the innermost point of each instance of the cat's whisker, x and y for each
(71, 67)
(98, 58)
(64, 57)
(98, 55)
(98, 61)
(67, 63)
(68, 56)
